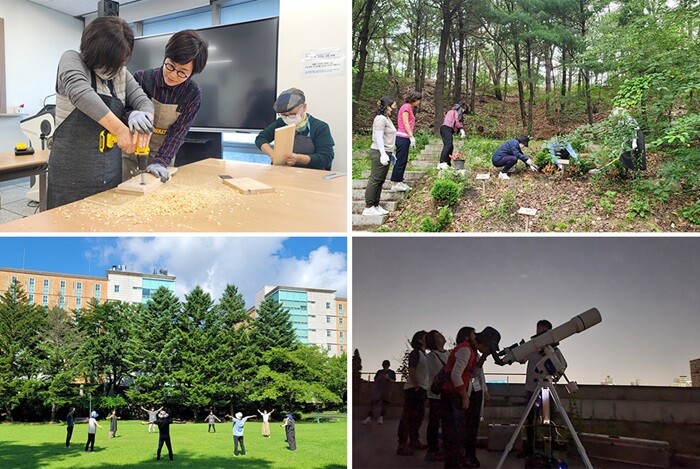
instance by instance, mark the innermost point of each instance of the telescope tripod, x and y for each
(545, 385)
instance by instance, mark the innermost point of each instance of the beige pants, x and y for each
(266, 428)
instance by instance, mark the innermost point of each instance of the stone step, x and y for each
(359, 206)
(362, 184)
(387, 196)
(417, 164)
(368, 221)
(408, 176)
(433, 147)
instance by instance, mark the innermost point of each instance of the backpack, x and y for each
(440, 379)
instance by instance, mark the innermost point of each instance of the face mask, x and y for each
(292, 120)
(100, 72)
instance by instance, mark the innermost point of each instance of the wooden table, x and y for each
(15, 167)
(196, 199)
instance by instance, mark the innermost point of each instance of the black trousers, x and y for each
(403, 144)
(434, 418)
(472, 418)
(236, 441)
(505, 162)
(164, 439)
(454, 430)
(412, 415)
(91, 442)
(69, 434)
(211, 426)
(447, 145)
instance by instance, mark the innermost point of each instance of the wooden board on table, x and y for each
(248, 185)
(284, 143)
(151, 183)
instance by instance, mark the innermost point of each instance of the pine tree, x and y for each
(60, 342)
(153, 364)
(20, 322)
(272, 327)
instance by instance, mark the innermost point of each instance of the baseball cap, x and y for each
(489, 337)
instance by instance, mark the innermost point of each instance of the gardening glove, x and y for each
(634, 144)
(413, 141)
(531, 165)
(461, 133)
(140, 121)
(384, 159)
(158, 171)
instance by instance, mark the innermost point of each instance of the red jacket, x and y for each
(468, 370)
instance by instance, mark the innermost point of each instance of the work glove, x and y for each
(531, 165)
(461, 133)
(140, 121)
(413, 142)
(158, 171)
(384, 159)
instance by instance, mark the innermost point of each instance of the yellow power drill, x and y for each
(107, 142)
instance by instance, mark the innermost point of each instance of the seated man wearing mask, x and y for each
(176, 98)
(313, 143)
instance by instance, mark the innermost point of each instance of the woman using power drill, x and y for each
(92, 89)
(176, 98)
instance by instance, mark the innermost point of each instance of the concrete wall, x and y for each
(129, 287)
(629, 403)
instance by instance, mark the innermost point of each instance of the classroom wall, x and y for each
(310, 25)
(35, 38)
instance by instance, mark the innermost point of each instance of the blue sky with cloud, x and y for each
(211, 262)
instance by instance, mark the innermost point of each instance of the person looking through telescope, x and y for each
(543, 326)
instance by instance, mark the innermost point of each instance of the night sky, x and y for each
(647, 290)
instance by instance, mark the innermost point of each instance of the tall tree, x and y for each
(272, 327)
(107, 351)
(20, 322)
(448, 9)
(59, 346)
(152, 364)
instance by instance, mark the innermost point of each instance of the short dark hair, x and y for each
(430, 339)
(415, 341)
(386, 363)
(464, 333)
(414, 96)
(544, 323)
(383, 104)
(107, 43)
(188, 46)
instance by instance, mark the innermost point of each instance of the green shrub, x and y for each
(607, 205)
(638, 207)
(442, 220)
(506, 206)
(692, 213)
(445, 191)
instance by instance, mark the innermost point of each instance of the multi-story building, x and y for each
(695, 372)
(136, 287)
(71, 291)
(317, 316)
(681, 381)
(67, 291)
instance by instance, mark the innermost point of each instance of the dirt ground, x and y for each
(564, 203)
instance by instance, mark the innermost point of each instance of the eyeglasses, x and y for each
(171, 68)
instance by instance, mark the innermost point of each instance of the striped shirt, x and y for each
(171, 95)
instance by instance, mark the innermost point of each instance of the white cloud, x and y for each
(247, 263)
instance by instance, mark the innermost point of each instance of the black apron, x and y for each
(303, 143)
(77, 169)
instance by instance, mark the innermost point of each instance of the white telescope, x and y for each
(521, 352)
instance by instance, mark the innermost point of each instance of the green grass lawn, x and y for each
(321, 445)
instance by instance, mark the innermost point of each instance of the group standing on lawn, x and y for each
(162, 420)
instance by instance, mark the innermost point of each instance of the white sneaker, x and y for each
(382, 210)
(371, 211)
(381, 420)
(503, 175)
(367, 420)
(442, 166)
(400, 187)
